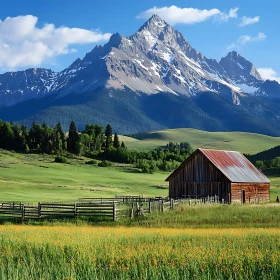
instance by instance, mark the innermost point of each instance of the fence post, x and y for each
(39, 209)
(171, 204)
(162, 205)
(132, 211)
(75, 209)
(150, 206)
(22, 211)
(114, 212)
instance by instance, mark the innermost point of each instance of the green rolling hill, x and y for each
(249, 143)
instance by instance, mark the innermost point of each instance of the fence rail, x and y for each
(111, 208)
(51, 210)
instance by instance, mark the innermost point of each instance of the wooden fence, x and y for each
(109, 208)
(56, 210)
(151, 206)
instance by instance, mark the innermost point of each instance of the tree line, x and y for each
(94, 142)
(271, 165)
(52, 140)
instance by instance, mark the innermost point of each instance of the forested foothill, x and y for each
(100, 145)
(267, 161)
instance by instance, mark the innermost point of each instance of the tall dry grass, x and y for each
(72, 252)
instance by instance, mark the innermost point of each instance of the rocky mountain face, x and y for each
(19, 86)
(154, 61)
(242, 72)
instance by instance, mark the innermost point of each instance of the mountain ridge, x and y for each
(157, 56)
(156, 65)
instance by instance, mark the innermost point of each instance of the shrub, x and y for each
(104, 163)
(61, 159)
(93, 161)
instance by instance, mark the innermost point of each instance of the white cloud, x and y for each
(246, 38)
(176, 15)
(22, 44)
(242, 40)
(269, 74)
(231, 14)
(231, 46)
(248, 20)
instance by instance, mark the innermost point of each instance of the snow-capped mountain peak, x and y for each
(240, 69)
(157, 58)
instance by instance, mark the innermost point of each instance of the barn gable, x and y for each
(234, 165)
(226, 174)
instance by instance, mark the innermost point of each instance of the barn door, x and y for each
(243, 200)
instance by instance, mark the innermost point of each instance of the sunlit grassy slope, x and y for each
(33, 178)
(240, 141)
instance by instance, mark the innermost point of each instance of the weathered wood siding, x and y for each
(254, 192)
(199, 177)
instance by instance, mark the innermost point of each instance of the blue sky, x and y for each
(54, 33)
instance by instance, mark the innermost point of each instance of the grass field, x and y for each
(34, 178)
(213, 216)
(71, 252)
(197, 242)
(244, 142)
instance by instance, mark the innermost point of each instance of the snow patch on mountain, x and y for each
(155, 59)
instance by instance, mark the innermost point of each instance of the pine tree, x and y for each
(8, 136)
(98, 133)
(57, 143)
(58, 129)
(45, 137)
(73, 138)
(108, 134)
(123, 145)
(116, 142)
(18, 139)
(24, 134)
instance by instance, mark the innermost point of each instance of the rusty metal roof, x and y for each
(235, 166)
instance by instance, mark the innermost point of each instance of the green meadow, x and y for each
(249, 143)
(191, 242)
(33, 178)
(36, 177)
(83, 252)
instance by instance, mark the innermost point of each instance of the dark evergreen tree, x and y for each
(8, 136)
(108, 134)
(46, 138)
(35, 136)
(116, 142)
(57, 142)
(123, 145)
(24, 134)
(1, 134)
(58, 129)
(73, 139)
(18, 144)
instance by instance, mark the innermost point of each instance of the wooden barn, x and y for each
(228, 175)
